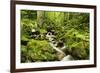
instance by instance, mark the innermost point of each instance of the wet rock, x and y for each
(67, 58)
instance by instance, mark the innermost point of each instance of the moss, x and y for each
(40, 50)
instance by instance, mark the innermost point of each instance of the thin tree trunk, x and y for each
(40, 18)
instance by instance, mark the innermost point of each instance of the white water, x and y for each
(65, 58)
(57, 49)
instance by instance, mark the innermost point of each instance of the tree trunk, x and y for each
(40, 18)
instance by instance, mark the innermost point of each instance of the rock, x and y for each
(67, 58)
(60, 44)
(60, 55)
(33, 30)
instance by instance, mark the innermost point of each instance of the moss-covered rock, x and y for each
(40, 50)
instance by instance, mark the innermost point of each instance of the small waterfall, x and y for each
(57, 49)
(62, 55)
(65, 57)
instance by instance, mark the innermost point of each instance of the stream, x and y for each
(59, 50)
(66, 57)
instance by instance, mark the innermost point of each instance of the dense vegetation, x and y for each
(70, 27)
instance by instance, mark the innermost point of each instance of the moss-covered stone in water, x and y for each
(79, 51)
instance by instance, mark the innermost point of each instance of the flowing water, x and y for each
(59, 50)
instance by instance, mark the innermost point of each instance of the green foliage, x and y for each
(26, 27)
(24, 56)
(71, 27)
(28, 14)
(42, 31)
(77, 43)
(40, 50)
